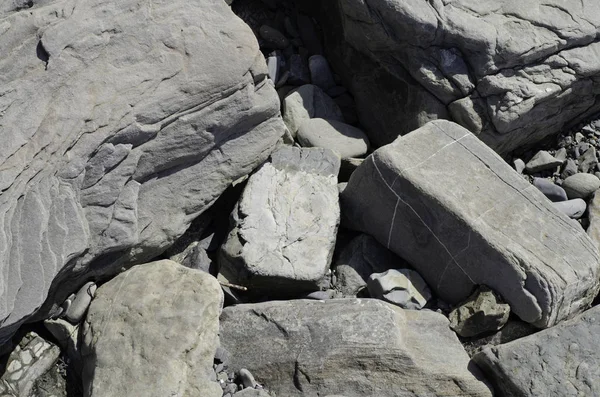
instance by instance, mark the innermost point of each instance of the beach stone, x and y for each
(462, 217)
(574, 208)
(298, 72)
(273, 38)
(569, 169)
(402, 287)
(581, 185)
(307, 102)
(320, 72)
(153, 331)
(352, 347)
(346, 140)
(284, 227)
(553, 192)
(588, 161)
(519, 165)
(483, 312)
(560, 361)
(542, 161)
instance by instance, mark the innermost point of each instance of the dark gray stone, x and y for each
(320, 72)
(553, 192)
(273, 38)
(588, 161)
(483, 312)
(309, 35)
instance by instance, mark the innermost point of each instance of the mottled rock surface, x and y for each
(153, 331)
(352, 347)
(451, 207)
(560, 361)
(120, 122)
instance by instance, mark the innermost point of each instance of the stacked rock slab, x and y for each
(560, 361)
(445, 202)
(284, 226)
(153, 331)
(117, 130)
(349, 347)
(512, 72)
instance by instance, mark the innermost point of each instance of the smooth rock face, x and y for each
(560, 361)
(511, 72)
(284, 226)
(307, 102)
(581, 185)
(350, 347)
(462, 217)
(346, 140)
(153, 331)
(403, 287)
(123, 138)
(482, 312)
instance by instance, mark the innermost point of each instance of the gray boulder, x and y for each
(462, 217)
(307, 102)
(353, 347)
(512, 72)
(483, 312)
(346, 140)
(581, 185)
(574, 208)
(402, 287)
(114, 139)
(153, 331)
(560, 361)
(284, 226)
(542, 161)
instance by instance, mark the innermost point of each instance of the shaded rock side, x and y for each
(153, 331)
(350, 347)
(284, 226)
(118, 129)
(560, 361)
(509, 71)
(462, 217)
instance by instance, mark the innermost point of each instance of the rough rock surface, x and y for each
(153, 331)
(352, 347)
(560, 361)
(512, 72)
(402, 287)
(284, 226)
(92, 95)
(462, 217)
(482, 312)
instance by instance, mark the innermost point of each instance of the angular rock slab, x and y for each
(114, 139)
(285, 224)
(153, 331)
(445, 202)
(350, 347)
(560, 361)
(511, 72)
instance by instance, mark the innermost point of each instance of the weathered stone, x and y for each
(550, 190)
(298, 72)
(353, 347)
(570, 168)
(402, 287)
(461, 216)
(307, 102)
(346, 140)
(560, 361)
(572, 208)
(482, 312)
(79, 303)
(514, 329)
(588, 160)
(114, 138)
(67, 336)
(581, 185)
(153, 331)
(284, 227)
(594, 216)
(519, 165)
(320, 72)
(513, 73)
(542, 161)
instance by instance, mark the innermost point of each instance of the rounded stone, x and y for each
(581, 185)
(346, 140)
(572, 208)
(553, 192)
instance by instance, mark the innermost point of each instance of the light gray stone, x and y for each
(320, 72)
(298, 73)
(251, 393)
(581, 185)
(353, 347)
(307, 102)
(560, 361)
(462, 217)
(284, 226)
(588, 160)
(153, 331)
(573, 208)
(482, 312)
(67, 336)
(511, 72)
(519, 165)
(402, 287)
(79, 303)
(120, 132)
(346, 140)
(552, 191)
(542, 161)
(593, 229)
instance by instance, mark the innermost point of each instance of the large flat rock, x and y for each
(120, 123)
(512, 72)
(560, 361)
(153, 331)
(349, 347)
(445, 202)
